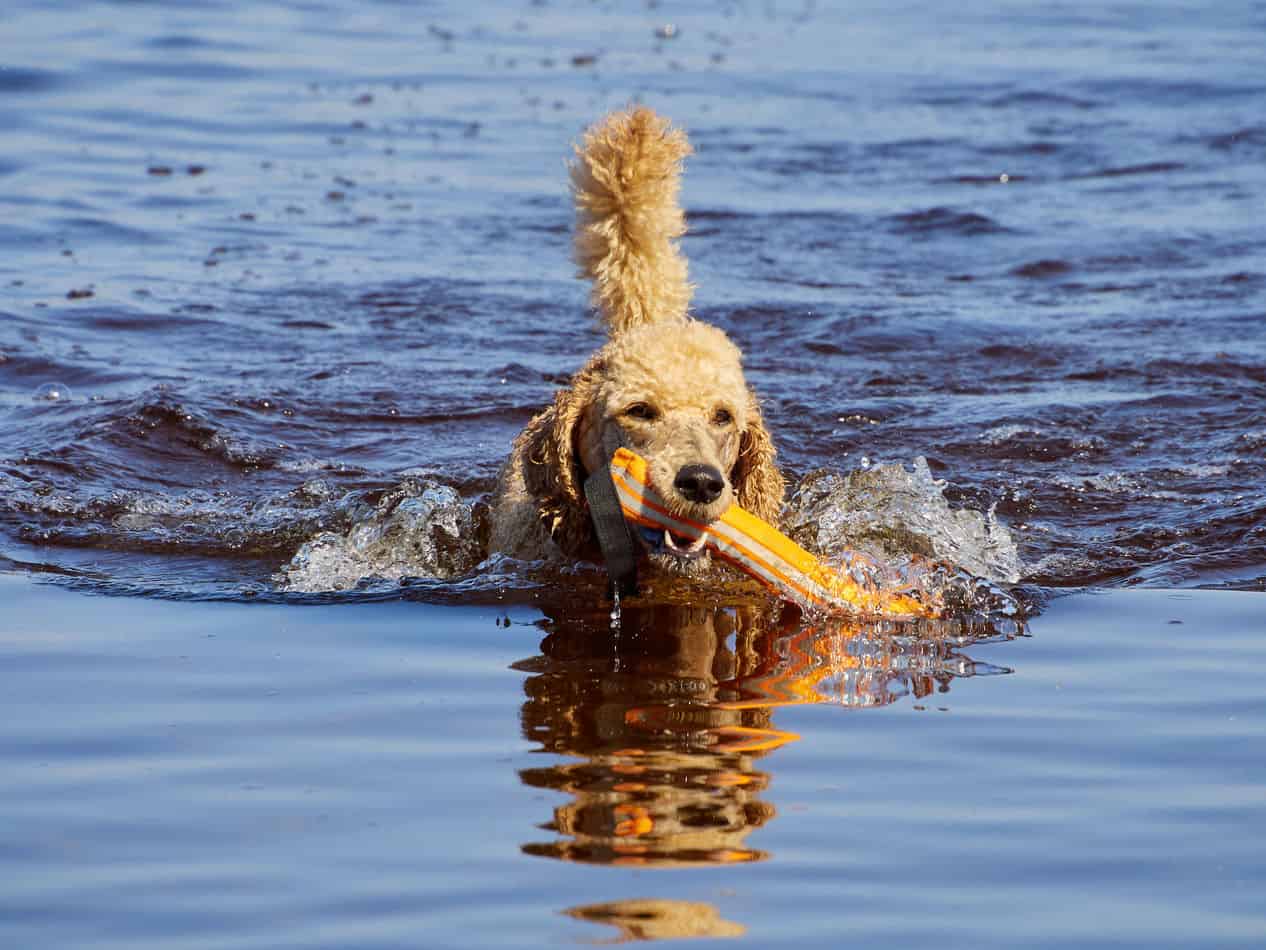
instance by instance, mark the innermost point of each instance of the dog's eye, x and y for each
(722, 417)
(641, 410)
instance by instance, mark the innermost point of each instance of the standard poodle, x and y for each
(665, 385)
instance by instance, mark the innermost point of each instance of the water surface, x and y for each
(392, 775)
(275, 260)
(285, 279)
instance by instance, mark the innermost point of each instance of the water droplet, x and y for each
(53, 392)
(615, 630)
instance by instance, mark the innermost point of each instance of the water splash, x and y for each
(890, 530)
(417, 529)
(895, 514)
(52, 392)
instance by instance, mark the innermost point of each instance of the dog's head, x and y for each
(676, 395)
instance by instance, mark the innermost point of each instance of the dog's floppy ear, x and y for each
(758, 485)
(552, 471)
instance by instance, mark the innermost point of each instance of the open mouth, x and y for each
(666, 542)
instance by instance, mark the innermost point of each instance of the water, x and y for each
(326, 248)
(392, 775)
(279, 284)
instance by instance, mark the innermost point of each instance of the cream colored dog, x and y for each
(665, 385)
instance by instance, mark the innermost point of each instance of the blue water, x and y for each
(394, 775)
(267, 270)
(327, 246)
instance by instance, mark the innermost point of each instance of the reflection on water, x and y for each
(658, 919)
(666, 725)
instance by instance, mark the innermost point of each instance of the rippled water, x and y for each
(278, 285)
(274, 262)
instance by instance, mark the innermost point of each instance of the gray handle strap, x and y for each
(619, 547)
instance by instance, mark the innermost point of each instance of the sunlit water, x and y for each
(405, 775)
(279, 283)
(266, 266)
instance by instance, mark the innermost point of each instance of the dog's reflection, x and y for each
(668, 721)
(657, 919)
(666, 772)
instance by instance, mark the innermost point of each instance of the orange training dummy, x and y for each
(759, 549)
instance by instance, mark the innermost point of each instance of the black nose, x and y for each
(701, 483)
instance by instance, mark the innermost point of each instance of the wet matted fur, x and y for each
(666, 385)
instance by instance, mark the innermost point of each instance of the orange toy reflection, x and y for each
(667, 723)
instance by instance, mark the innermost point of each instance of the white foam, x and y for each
(417, 530)
(892, 512)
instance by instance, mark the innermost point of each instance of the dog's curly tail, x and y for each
(625, 182)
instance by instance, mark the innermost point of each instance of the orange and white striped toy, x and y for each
(759, 549)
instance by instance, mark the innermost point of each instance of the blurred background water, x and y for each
(279, 283)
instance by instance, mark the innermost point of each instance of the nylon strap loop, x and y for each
(613, 533)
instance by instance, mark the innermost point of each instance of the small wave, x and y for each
(179, 67)
(1249, 138)
(301, 324)
(141, 321)
(1112, 483)
(1123, 171)
(1103, 372)
(999, 178)
(823, 216)
(1169, 93)
(911, 148)
(184, 41)
(33, 369)
(1043, 269)
(21, 80)
(1038, 147)
(164, 426)
(1245, 277)
(1019, 441)
(1225, 367)
(694, 215)
(1029, 98)
(823, 158)
(945, 221)
(1012, 354)
(1201, 470)
(101, 231)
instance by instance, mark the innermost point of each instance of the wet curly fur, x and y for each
(666, 385)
